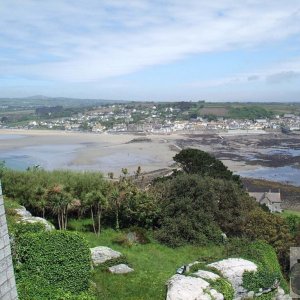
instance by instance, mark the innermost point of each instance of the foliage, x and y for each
(20, 228)
(132, 236)
(153, 263)
(251, 112)
(293, 222)
(29, 288)
(194, 209)
(187, 207)
(64, 193)
(224, 287)
(253, 281)
(61, 258)
(195, 161)
(264, 256)
(112, 262)
(267, 296)
(272, 229)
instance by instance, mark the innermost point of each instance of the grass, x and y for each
(153, 265)
(287, 213)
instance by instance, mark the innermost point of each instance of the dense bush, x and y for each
(61, 258)
(195, 209)
(195, 161)
(264, 256)
(251, 112)
(34, 287)
(273, 229)
(62, 194)
(132, 236)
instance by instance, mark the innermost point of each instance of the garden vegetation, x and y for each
(194, 207)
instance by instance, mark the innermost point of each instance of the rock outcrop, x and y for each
(23, 212)
(120, 269)
(182, 287)
(206, 275)
(102, 254)
(233, 269)
(199, 285)
(26, 216)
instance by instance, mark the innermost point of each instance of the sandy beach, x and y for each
(112, 152)
(103, 152)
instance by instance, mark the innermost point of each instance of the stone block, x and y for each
(3, 230)
(3, 279)
(6, 240)
(2, 211)
(3, 265)
(10, 273)
(7, 250)
(1, 243)
(5, 287)
(1, 255)
(2, 220)
(14, 294)
(7, 296)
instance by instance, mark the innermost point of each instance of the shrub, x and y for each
(224, 287)
(61, 258)
(264, 256)
(29, 288)
(18, 229)
(131, 236)
(194, 209)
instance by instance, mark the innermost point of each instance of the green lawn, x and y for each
(287, 213)
(153, 263)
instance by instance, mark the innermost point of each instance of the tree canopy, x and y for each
(195, 161)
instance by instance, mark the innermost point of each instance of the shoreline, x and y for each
(109, 152)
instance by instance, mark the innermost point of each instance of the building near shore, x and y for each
(271, 199)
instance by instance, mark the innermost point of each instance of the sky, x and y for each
(168, 50)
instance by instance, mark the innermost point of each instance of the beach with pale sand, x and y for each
(248, 155)
(88, 151)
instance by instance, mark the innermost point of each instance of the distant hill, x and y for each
(40, 100)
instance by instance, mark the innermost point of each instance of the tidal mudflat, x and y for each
(268, 156)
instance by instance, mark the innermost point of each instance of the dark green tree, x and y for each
(195, 161)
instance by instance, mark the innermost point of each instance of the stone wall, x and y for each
(8, 290)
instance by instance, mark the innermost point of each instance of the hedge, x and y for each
(61, 258)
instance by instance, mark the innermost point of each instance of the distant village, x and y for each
(152, 119)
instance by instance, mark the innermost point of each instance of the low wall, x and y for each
(8, 290)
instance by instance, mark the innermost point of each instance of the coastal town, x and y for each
(151, 118)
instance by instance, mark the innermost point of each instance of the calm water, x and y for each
(60, 156)
(287, 174)
(11, 136)
(47, 156)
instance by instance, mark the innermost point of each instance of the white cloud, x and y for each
(77, 41)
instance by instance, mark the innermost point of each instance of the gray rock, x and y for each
(23, 212)
(284, 297)
(182, 287)
(233, 269)
(206, 275)
(48, 225)
(27, 217)
(251, 294)
(280, 291)
(120, 269)
(280, 295)
(216, 295)
(102, 254)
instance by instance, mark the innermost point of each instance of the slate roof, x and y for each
(273, 197)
